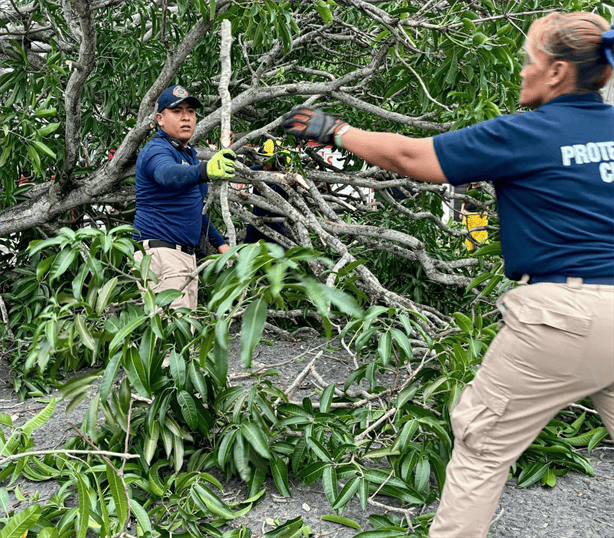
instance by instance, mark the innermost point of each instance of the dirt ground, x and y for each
(578, 507)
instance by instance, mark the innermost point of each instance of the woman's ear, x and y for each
(562, 74)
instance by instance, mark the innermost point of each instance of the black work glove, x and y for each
(312, 124)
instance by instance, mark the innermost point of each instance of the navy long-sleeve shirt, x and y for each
(170, 190)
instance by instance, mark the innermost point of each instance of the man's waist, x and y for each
(159, 243)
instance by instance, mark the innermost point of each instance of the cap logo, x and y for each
(181, 92)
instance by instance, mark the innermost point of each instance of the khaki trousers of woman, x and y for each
(555, 348)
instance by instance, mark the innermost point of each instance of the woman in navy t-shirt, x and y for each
(553, 172)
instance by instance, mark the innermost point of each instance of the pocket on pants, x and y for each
(475, 416)
(562, 317)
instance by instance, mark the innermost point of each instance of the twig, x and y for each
(342, 262)
(5, 318)
(323, 383)
(585, 409)
(292, 388)
(498, 517)
(383, 418)
(193, 275)
(127, 440)
(405, 511)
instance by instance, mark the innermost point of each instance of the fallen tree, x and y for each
(81, 78)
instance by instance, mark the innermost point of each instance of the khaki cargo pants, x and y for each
(172, 268)
(556, 347)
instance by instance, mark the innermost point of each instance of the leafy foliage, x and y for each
(157, 380)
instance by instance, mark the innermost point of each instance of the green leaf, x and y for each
(166, 297)
(39, 420)
(198, 379)
(345, 302)
(329, 483)
(382, 452)
(422, 474)
(598, 435)
(478, 280)
(585, 438)
(151, 442)
(223, 453)
(84, 506)
(252, 326)
(312, 472)
(110, 372)
(279, 470)
(401, 339)
(86, 336)
(213, 503)
(119, 495)
(289, 529)
(377, 476)
(465, 323)
(48, 129)
(220, 353)
(342, 521)
(318, 449)
(45, 112)
(346, 493)
(43, 148)
(156, 486)
(20, 523)
(136, 373)
(178, 369)
(104, 295)
(327, 398)
(492, 249)
(324, 11)
(531, 474)
(142, 517)
(123, 333)
(62, 262)
(44, 266)
(188, 409)
(549, 479)
(384, 347)
(363, 493)
(254, 436)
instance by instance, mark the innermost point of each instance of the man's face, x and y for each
(178, 122)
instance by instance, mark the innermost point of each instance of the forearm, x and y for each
(177, 175)
(411, 157)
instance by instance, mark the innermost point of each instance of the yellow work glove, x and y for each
(221, 165)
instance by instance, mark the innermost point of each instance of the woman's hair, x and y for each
(575, 38)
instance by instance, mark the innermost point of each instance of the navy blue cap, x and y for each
(171, 97)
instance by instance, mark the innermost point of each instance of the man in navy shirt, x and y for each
(171, 184)
(553, 173)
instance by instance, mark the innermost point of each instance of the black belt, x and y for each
(559, 279)
(158, 243)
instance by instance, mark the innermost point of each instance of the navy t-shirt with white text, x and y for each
(553, 173)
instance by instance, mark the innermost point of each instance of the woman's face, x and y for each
(534, 91)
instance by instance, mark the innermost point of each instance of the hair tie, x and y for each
(606, 45)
